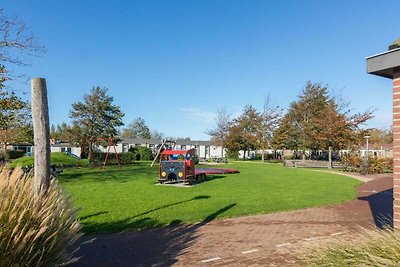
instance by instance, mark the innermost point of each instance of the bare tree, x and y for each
(15, 40)
(270, 118)
(220, 132)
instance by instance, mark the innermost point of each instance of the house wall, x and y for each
(396, 150)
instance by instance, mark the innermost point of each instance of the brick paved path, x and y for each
(262, 240)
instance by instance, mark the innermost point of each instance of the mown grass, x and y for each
(57, 158)
(127, 198)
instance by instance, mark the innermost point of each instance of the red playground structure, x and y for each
(179, 166)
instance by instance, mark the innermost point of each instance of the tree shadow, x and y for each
(93, 215)
(381, 205)
(169, 205)
(115, 174)
(151, 247)
(211, 177)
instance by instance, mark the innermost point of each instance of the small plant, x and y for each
(35, 230)
(369, 247)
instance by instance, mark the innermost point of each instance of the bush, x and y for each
(14, 154)
(59, 159)
(367, 248)
(142, 153)
(375, 165)
(123, 158)
(35, 231)
(126, 158)
(233, 154)
(3, 156)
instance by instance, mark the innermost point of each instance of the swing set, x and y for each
(111, 143)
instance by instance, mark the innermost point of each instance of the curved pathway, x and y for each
(262, 240)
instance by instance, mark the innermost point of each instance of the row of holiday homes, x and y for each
(204, 149)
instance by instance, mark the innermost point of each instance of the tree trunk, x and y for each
(244, 154)
(90, 156)
(262, 155)
(330, 158)
(304, 155)
(41, 133)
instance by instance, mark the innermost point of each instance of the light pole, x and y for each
(365, 161)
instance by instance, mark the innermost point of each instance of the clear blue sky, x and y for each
(174, 63)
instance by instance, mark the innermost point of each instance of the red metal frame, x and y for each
(111, 142)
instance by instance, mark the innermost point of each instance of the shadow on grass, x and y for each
(115, 174)
(172, 204)
(151, 247)
(211, 177)
(93, 215)
(381, 205)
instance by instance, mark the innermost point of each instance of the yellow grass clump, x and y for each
(34, 230)
(369, 247)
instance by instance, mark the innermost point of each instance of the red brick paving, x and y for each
(274, 238)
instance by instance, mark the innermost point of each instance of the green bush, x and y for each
(123, 158)
(142, 153)
(127, 158)
(60, 159)
(3, 156)
(233, 154)
(14, 154)
(367, 248)
(35, 230)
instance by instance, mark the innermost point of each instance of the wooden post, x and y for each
(330, 158)
(41, 132)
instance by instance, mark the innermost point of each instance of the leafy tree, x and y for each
(244, 131)
(220, 132)
(269, 122)
(157, 135)
(380, 136)
(137, 129)
(319, 121)
(15, 118)
(96, 117)
(61, 132)
(15, 41)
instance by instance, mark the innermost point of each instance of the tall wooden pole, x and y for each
(41, 134)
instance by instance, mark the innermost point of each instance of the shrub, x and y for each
(123, 158)
(127, 157)
(60, 159)
(375, 165)
(3, 156)
(233, 154)
(14, 154)
(367, 248)
(142, 152)
(35, 231)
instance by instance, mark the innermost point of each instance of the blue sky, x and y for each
(174, 63)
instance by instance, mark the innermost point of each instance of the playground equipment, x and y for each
(179, 166)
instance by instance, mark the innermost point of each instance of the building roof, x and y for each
(378, 147)
(143, 141)
(384, 64)
(62, 145)
(193, 143)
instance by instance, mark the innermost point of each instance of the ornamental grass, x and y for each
(369, 247)
(34, 230)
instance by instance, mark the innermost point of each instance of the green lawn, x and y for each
(127, 198)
